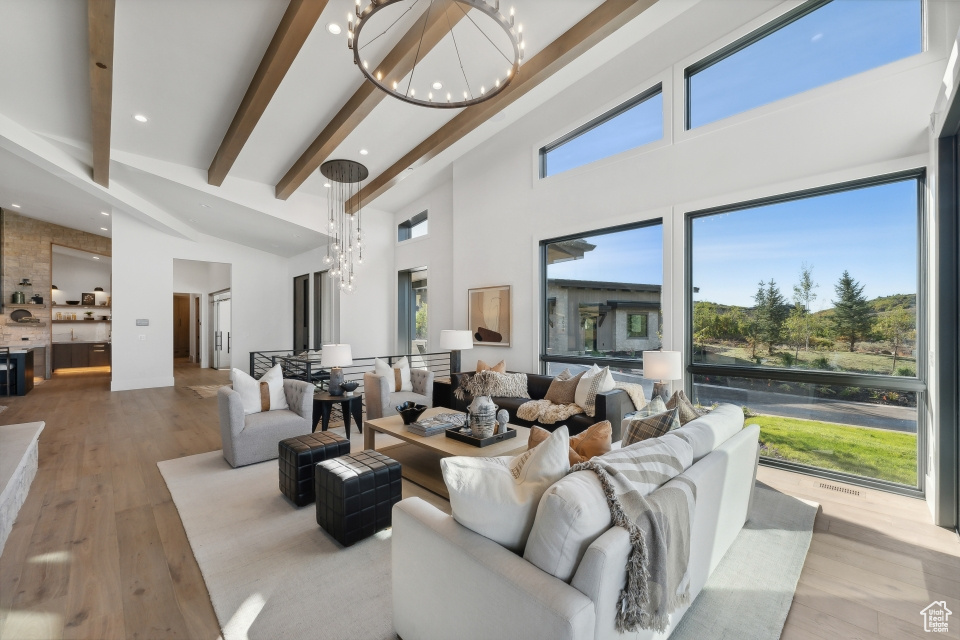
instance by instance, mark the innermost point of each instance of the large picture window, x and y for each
(817, 44)
(805, 313)
(635, 123)
(601, 299)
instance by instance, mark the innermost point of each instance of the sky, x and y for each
(833, 42)
(872, 232)
(634, 256)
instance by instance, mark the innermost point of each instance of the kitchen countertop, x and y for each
(84, 342)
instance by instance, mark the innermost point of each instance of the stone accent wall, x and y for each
(27, 254)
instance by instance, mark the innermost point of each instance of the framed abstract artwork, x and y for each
(489, 315)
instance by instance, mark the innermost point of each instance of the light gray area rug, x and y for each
(270, 570)
(749, 594)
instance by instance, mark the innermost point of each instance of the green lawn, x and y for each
(875, 453)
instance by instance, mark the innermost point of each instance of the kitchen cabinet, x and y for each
(71, 355)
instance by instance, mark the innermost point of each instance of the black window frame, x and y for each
(544, 357)
(915, 384)
(405, 228)
(749, 39)
(641, 97)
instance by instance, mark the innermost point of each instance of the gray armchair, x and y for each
(382, 402)
(254, 437)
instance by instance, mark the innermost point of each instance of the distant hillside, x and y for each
(882, 304)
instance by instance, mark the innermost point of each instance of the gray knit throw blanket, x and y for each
(649, 499)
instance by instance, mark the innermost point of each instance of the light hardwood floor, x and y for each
(98, 550)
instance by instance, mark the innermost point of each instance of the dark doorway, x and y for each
(301, 313)
(181, 326)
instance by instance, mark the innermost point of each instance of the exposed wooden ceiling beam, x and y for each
(297, 23)
(100, 15)
(397, 63)
(592, 29)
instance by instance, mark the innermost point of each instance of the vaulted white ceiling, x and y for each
(185, 65)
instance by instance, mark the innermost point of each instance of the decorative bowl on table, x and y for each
(410, 411)
(351, 386)
(74, 302)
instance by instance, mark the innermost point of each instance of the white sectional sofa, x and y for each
(449, 582)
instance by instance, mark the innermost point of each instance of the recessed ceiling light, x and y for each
(363, 152)
(96, 257)
(103, 229)
(437, 85)
(326, 184)
(205, 206)
(15, 206)
(334, 28)
(140, 117)
(104, 213)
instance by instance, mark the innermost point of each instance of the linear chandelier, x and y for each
(477, 56)
(344, 243)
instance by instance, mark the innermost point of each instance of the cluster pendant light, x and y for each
(345, 240)
(492, 42)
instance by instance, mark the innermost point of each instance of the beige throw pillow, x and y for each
(595, 441)
(500, 367)
(563, 391)
(498, 497)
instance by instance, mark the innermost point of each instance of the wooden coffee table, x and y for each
(421, 462)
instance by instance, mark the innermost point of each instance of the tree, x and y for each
(897, 326)
(771, 313)
(852, 316)
(421, 322)
(804, 296)
(797, 329)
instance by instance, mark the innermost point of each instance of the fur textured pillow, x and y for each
(501, 385)
(595, 441)
(500, 367)
(563, 391)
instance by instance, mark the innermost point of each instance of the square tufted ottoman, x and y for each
(356, 494)
(298, 459)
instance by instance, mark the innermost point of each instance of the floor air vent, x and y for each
(833, 487)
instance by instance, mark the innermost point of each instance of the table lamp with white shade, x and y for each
(662, 366)
(456, 340)
(335, 356)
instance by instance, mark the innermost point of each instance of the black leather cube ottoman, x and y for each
(298, 459)
(356, 494)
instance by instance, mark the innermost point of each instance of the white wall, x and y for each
(434, 251)
(143, 288)
(363, 319)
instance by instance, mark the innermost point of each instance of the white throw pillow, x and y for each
(249, 390)
(381, 368)
(589, 387)
(498, 497)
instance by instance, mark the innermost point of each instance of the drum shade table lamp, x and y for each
(662, 366)
(335, 356)
(456, 340)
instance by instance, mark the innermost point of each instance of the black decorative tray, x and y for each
(472, 440)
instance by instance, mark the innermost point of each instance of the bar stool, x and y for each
(6, 366)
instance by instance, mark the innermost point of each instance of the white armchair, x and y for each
(254, 437)
(382, 402)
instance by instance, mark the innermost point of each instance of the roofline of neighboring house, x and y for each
(597, 284)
